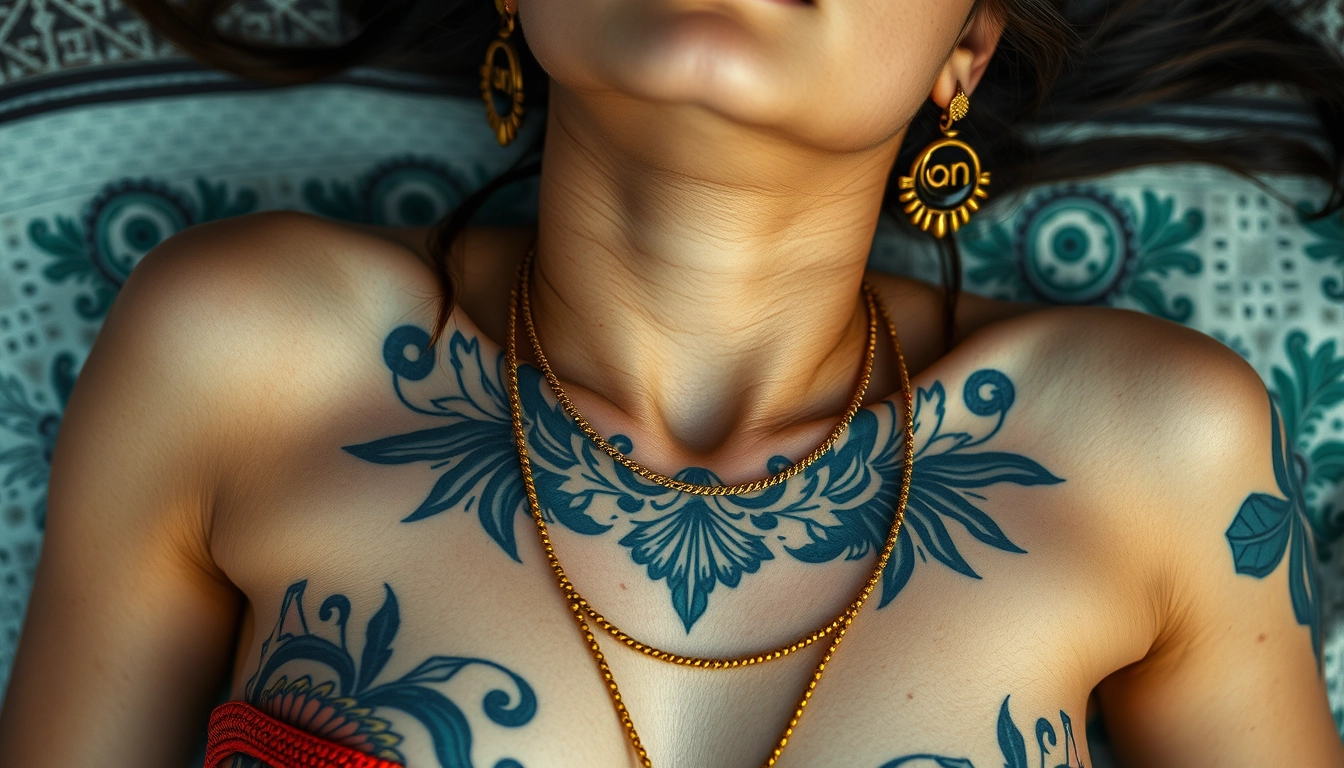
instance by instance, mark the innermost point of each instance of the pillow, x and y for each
(110, 142)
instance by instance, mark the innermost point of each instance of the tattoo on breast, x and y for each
(308, 677)
(841, 507)
(1267, 526)
(1013, 745)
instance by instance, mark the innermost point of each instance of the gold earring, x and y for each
(946, 184)
(502, 82)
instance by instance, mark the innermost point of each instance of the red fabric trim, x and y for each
(238, 728)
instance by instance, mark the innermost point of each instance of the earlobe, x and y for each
(955, 75)
(969, 59)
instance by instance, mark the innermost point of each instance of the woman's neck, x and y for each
(698, 282)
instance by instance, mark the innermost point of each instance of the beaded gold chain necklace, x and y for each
(855, 403)
(583, 611)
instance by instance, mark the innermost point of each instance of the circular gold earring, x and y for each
(502, 79)
(946, 183)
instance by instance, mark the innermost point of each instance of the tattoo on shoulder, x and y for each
(1013, 745)
(1267, 526)
(841, 507)
(308, 678)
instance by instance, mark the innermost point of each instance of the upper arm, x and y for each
(130, 625)
(1233, 676)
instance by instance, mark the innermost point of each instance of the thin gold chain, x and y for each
(616, 632)
(865, 376)
(581, 609)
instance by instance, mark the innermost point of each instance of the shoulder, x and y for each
(1164, 410)
(236, 326)
(274, 262)
(1165, 434)
(1138, 379)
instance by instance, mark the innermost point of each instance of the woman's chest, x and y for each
(431, 641)
(432, 654)
(402, 599)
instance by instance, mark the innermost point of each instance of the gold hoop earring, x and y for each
(502, 81)
(946, 183)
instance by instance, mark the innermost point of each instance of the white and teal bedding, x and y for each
(109, 143)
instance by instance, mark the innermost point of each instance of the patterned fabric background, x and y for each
(41, 36)
(100, 163)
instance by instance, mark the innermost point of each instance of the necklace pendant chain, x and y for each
(584, 612)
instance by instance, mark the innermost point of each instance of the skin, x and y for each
(712, 180)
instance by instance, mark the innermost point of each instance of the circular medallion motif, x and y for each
(945, 186)
(127, 219)
(1075, 245)
(410, 193)
(945, 175)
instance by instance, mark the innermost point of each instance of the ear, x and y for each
(969, 59)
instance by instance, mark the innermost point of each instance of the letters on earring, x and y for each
(945, 186)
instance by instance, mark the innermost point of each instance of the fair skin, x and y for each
(246, 427)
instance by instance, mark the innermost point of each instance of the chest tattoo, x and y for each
(840, 507)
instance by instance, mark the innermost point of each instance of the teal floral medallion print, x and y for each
(1307, 393)
(403, 192)
(308, 677)
(839, 508)
(119, 226)
(1268, 527)
(32, 423)
(1329, 247)
(1013, 745)
(1082, 245)
(414, 191)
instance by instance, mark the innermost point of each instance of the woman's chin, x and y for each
(710, 62)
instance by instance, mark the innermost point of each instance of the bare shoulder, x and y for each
(1171, 409)
(222, 329)
(1143, 378)
(275, 265)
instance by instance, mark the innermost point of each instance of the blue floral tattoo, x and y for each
(841, 507)
(346, 702)
(1267, 526)
(1012, 744)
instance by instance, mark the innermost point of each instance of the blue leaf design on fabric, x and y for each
(694, 547)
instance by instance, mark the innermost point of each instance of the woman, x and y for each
(267, 472)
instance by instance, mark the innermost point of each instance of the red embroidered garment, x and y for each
(237, 728)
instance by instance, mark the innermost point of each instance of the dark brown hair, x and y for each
(1059, 64)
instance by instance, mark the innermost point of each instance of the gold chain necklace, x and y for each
(695, 488)
(580, 607)
(525, 306)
